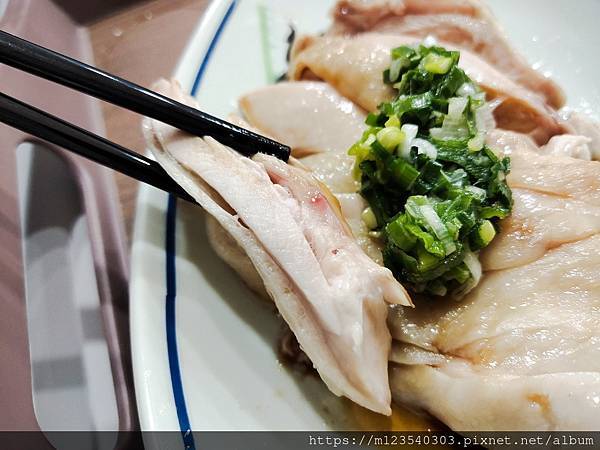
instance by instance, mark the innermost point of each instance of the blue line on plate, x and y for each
(170, 249)
(211, 47)
(171, 271)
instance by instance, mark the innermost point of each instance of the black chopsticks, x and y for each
(53, 66)
(52, 129)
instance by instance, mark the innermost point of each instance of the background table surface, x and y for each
(140, 43)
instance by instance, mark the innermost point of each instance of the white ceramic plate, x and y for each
(203, 345)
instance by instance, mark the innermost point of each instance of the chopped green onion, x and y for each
(456, 106)
(471, 262)
(404, 173)
(466, 90)
(435, 191)
(393, 121)
(370, 139)
(420, 208)
(395, 69)
(476, 142)
(426, 260)
(484, 234)
(372, 119)
(437, 288)
(369, 218)
(425, 148)
(479, 193)
(399, 235)
(410, 133)
(375, 234)
(436, 63)
(390, 138)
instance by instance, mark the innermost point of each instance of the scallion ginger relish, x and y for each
(435, 190)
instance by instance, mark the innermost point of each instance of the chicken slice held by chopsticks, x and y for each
(329, 292)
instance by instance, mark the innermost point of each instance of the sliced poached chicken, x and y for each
(556, 200)
(329, 292)
(583, 125)
(353, 65)
(310, 117)
(466, 24)
(525, 343)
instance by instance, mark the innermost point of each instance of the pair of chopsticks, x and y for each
(53, 66)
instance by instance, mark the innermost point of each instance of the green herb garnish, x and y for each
(435, 190)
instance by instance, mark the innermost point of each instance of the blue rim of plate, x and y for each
(171, 269)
